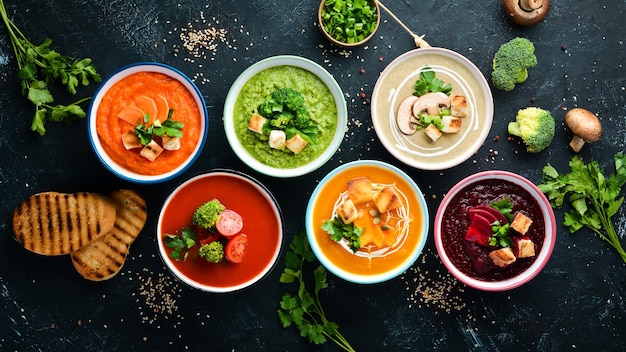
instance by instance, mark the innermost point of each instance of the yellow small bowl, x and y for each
(343, 44)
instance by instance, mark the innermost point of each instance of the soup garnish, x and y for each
(216, 231)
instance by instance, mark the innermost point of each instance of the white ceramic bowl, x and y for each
(357, 268)
(464, 275)
(262, 221)
(96, 141)
(229, 111)
(397, 81)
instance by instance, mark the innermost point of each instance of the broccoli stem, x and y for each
(514, 129)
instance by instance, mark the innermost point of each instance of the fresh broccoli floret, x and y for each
(511, 63)
(206, 215)
(289, 97)
(213, 252)
(285, 109)
(281, 120)
(535, 126)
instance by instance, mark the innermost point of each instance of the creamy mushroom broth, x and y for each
(318, 99)
(398, 82)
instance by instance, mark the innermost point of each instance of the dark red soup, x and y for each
(472, 259)
(261, 225)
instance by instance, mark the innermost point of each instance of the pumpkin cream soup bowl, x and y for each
(463, 231)
(285, 116)
(249, 242)
(147, 122)
(382, 214)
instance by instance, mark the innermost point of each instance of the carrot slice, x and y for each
(131, 114)
(148, 106)
(163, 107)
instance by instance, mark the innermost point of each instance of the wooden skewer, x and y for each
(419, 40)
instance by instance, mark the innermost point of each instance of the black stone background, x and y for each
(576, 303)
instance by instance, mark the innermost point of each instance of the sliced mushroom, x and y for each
(585, 126)
(431, 103)
(526, 12)
(404, 118)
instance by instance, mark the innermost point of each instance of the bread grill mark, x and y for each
(51, 223)
(104, 257)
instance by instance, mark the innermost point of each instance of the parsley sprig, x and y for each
(180, 242)
(303, 309)
(337, 230)
(592, 196)
(38, 66)
(428, 83)
(169, 127)
(500, 236)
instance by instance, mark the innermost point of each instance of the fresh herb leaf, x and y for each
(38, 66)
(428, 83)
(592, 196)
(500, 236)
(180, 242)
(338, 230)
(169, 127)
(504, 206)
(304, 309)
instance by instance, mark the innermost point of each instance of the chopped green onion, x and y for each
(349, 21)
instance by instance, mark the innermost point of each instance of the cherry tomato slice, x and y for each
(229, 223)
(236, 248)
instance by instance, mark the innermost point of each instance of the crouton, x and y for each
(348, 212)
(502, 257)
(131, 141)
(360, 190)
(170, 143)
(256, 123)
(450, 124)
(296, 144)
(386, 200)
(459, 106)
(523, 247)
(433, 132)
(277, 139)
(151, 151)
(521, 223)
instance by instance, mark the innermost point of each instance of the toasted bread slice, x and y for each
(104, 257)
(52, 223)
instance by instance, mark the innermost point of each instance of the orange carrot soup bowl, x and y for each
(261, 224)
(147, 122)
(380, 202)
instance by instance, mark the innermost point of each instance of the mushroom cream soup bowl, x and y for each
(323, 99)
(473, 264)
(392, 239)
(121, 103)
(417, 149)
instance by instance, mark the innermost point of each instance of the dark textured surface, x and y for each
(576, 303)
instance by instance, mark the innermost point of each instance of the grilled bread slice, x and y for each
(52, 223)
(104, 257)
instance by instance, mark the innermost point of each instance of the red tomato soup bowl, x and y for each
(262, 224)
(137, 95)
(474, 264)
(390, 240)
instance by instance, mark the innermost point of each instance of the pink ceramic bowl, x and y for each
(452, 221)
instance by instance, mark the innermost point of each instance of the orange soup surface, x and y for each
(123, 94)
(260, 224)
(345, 259)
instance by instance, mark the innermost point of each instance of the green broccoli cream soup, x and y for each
(318, 100)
